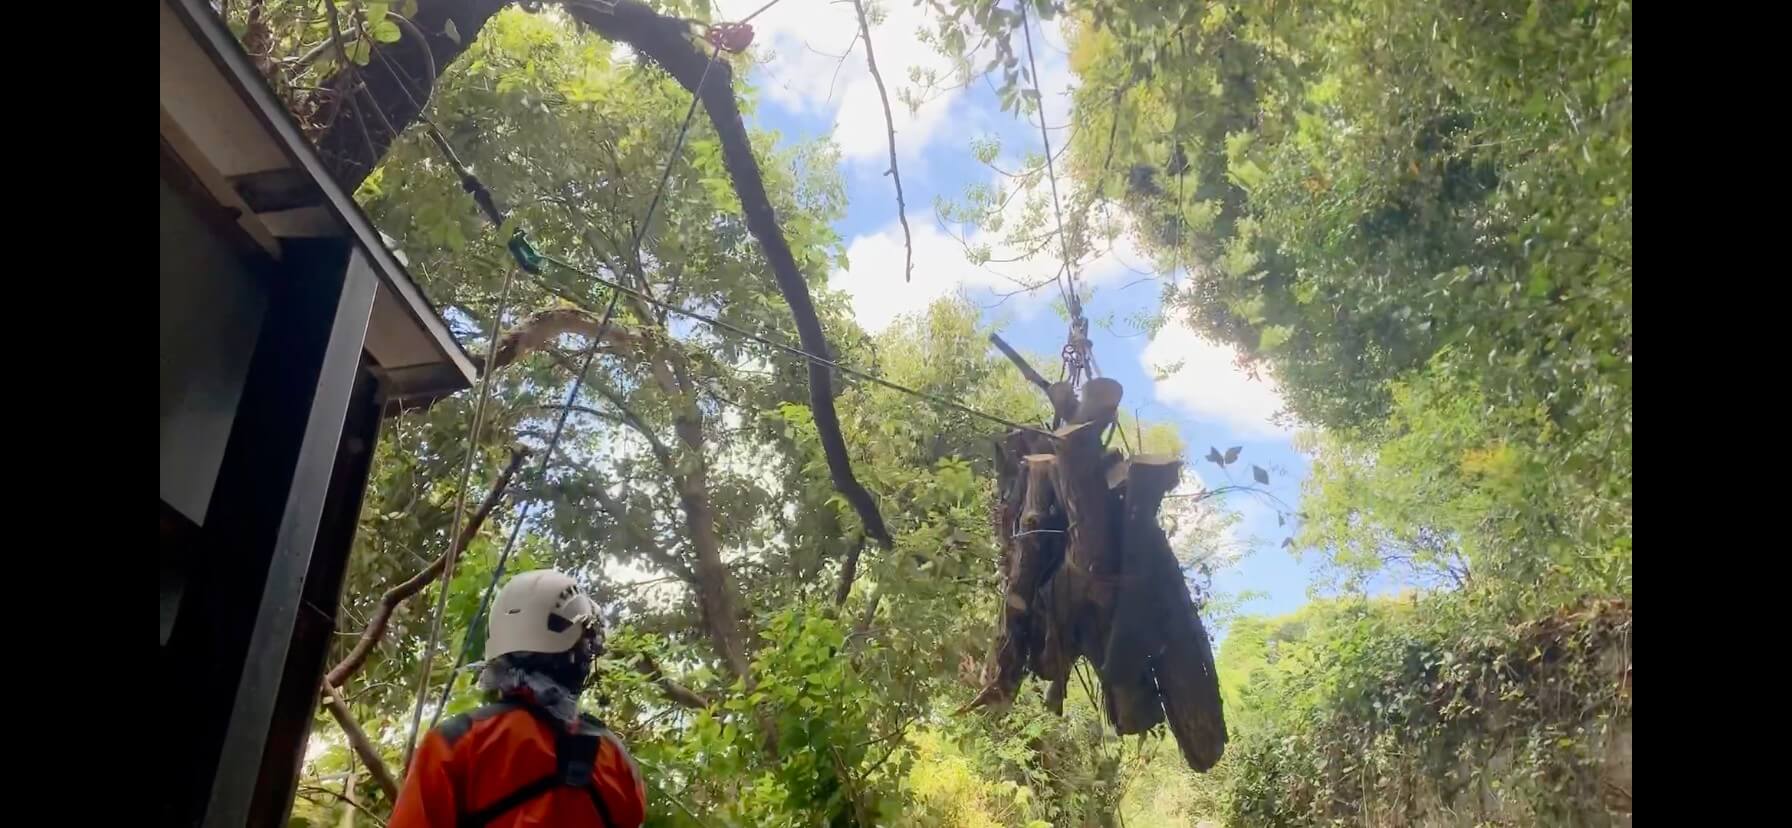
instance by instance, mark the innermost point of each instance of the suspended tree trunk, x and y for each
(1087, 572)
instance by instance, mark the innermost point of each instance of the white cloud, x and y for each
(875, 280)
(1208, 385)
(800, 44)
(942, 268)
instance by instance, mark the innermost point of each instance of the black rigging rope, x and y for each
(472, 633)
(529, 261)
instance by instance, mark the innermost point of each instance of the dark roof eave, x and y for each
(224, 50)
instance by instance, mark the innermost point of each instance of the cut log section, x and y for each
(1087, 572)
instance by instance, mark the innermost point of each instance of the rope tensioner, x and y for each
(733, 38)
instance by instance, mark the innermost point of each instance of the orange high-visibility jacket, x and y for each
(501, 766)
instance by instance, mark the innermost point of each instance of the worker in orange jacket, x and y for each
(530, 757)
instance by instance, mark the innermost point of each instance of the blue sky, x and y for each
(805, 92)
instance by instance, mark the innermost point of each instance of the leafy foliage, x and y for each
(1414, 216)
(1417, 218)
(1399, 711)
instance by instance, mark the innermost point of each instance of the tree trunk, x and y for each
(395, 86)
(715, 585)
(668, 42)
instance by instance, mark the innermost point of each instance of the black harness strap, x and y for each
(484, 816)
(457, 726)
(575, 759)
(603, 810)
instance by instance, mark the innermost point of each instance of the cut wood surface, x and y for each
(1087, 572)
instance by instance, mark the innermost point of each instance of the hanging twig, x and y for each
(344, 799)
(895, 172)
(849, 570)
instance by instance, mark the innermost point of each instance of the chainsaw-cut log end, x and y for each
(1064, 402)
(992, 698)
(1075, 429)
(1148, 478)
(1101, 400)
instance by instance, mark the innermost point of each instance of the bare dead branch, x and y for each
(1020, 362)
(382, 615)
(895, 172)
(363, 746)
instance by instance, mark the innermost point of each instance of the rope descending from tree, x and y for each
(472, 634)
(1078, 352)
(460, 502)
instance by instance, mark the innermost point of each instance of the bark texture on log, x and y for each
(1087, 572)
(543, 327)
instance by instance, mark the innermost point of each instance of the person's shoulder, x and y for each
(594, 724)
(456, 727)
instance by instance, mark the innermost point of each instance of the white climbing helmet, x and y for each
(543, 611)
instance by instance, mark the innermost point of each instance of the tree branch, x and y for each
(667, 42)
(546, 326)
(660, 450)
(895, 172)
(678, 693)
(639, 538)
(849, 570)
(357, 739)
(382, 615)
(345, 799)
(349, 155)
